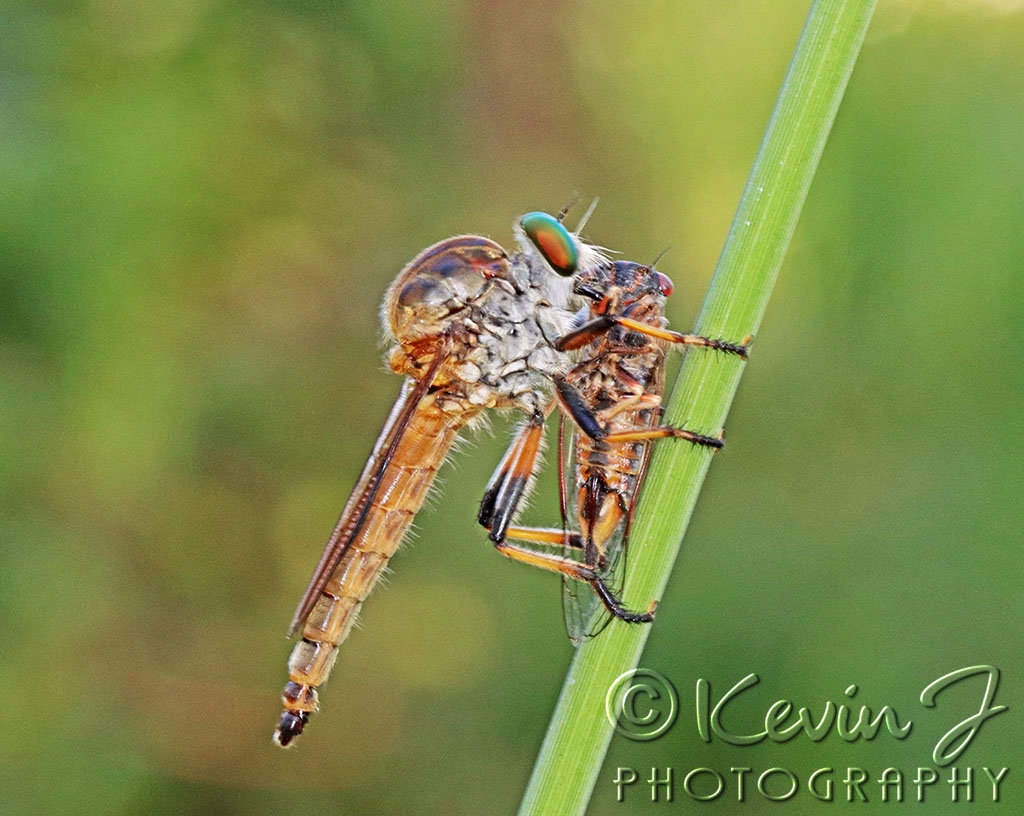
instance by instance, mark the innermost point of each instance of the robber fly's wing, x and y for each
(353, 517)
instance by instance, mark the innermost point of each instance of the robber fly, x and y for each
(473, 329)
(612, 399)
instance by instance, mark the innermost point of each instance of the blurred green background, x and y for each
(201, 204)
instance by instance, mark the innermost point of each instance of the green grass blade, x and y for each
(578, 736)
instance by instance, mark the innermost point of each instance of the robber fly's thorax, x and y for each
(493, 316)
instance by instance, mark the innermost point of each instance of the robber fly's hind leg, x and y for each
(570, 569)
(600, 325)
(508, 486)
(614, 605)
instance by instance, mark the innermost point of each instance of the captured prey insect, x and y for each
(612, 398)
(473, 328)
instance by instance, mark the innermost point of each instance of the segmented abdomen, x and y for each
(608, 473)
(404, 485)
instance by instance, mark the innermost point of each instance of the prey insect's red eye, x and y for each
(553, 240)
(664, 283)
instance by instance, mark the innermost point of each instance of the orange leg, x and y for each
(573, 404)
(600, 325)
(572, 569)
(510, 481)
(665, 432)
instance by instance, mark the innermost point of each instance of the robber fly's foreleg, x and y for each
(590, 422)
(600, 325)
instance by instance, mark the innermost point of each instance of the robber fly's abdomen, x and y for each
(406, 480)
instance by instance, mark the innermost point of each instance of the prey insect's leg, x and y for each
(579, 572)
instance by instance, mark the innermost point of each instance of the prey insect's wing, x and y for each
(585, 615)
(353, 517)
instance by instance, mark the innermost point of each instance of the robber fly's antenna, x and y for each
(562, 213)
(586, 215)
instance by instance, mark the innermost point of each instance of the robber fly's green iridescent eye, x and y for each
(558, 246)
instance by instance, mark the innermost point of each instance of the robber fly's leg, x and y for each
(579, 572)
(508, 485)
(545, 536)
(614, 605)
(739, 349)
(600, 325)
(573, 403)
(666, 432)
